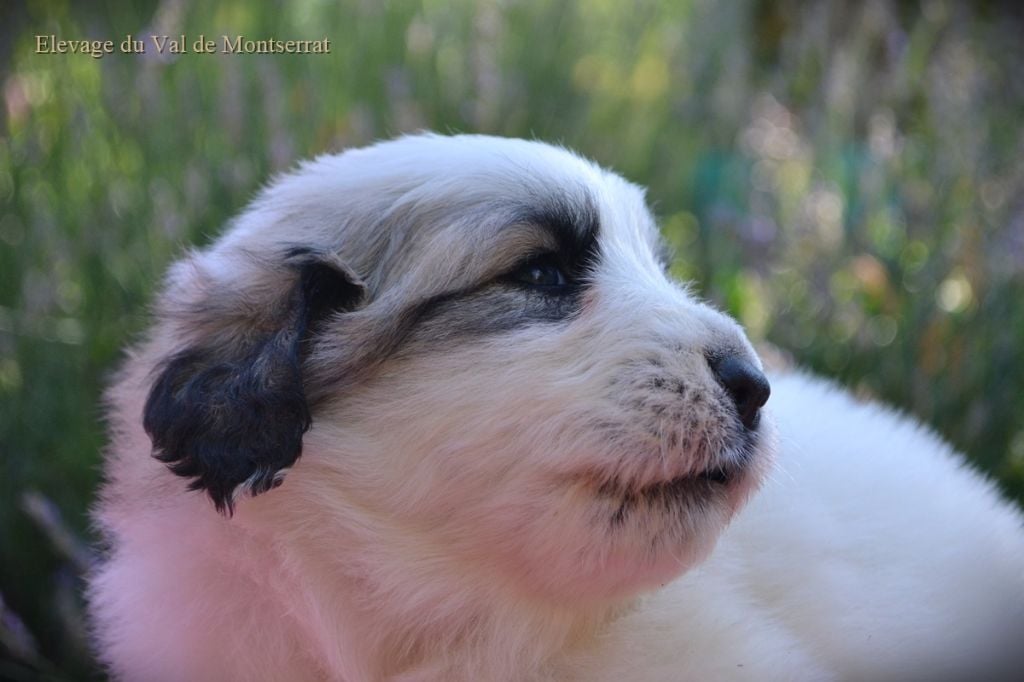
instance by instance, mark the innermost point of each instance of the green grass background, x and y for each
(845, 178)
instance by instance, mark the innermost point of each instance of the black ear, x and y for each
(231, 416)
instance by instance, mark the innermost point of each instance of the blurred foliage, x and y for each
(845, 178)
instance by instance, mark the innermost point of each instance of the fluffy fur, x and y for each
(460, 425)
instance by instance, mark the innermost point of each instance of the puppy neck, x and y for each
(378, 602)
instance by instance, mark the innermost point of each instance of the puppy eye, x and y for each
(541, 274)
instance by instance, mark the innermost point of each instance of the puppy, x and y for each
(433, 410)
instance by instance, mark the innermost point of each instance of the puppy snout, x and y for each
(746, 385)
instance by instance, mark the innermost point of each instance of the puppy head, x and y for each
(488, 356)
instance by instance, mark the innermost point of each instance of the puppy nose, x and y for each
(746, 385)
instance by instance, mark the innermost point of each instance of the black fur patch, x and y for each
(225, 417)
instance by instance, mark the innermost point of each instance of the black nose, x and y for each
(746, 385)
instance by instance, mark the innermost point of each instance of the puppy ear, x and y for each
(231, 415)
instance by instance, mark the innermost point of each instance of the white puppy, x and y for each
(520, 442)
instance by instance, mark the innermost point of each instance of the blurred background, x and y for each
(845, 178)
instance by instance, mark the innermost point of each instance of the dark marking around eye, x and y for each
(544, 287)
(574, 224)
(492, 309)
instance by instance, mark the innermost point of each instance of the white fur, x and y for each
(444, 521)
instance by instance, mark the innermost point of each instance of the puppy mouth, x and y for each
(669, 496)
(692, 485)
(719, 485)
(708, 479)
